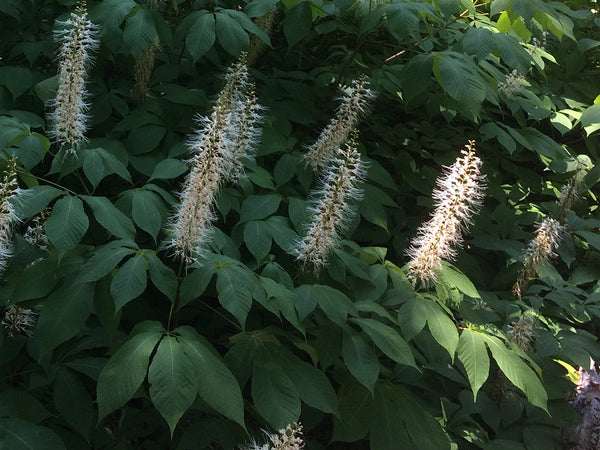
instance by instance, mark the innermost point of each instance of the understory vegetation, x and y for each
(273, 224)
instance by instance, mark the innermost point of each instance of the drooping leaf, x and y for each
(125, 370)
(471, 351)
(16, 434)
(130, 281)
(442, 327)
(162, 276)
(361, 360)
(172, 380)
(388, 340)
(110, 217)
(67, 224)
(73, 402)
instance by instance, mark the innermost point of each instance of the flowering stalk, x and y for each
(355, 103)
(143, 70)
(68, 116)
(540, 250)
(218, 146)
(9, 190)
(459, 194)
(333, 208)
(288, 438)
(521, 331)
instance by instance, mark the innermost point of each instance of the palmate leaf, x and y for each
(172, 381)
(201, 35)
(230, 33)
(126, 369)
(472, 352)
(215, 383)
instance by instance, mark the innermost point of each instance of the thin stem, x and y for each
(19, 170)
(222, 315)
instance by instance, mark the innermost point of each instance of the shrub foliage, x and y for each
(177, 273)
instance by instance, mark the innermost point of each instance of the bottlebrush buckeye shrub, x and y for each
(205, 248)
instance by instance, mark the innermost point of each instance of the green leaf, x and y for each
(103, 261)
(257, 236)
(73, 402)
(455, 278)
(21, 405)
(201, 35)
(591, 238)
(112, 164)
(307, 300)
(274, 394)
(67, 224)
(93, 167)
(125, 370)
(194, 285)
(34, 200)
(169, 169)
(162, 277)
(16, 79)
(233, 286)
(216, 385)
(110, 13)
(297, 22)
(388, 341)
(16, 434)
(479, 42)
(145, 211)
(336, 305)
(145, 139)
(519, 373)
(460, 78)
(130, 281)
(258, 8)
(412, 316)
(140, 32)
(312, 385)
(31, 150)
(69, 306)
(257, 207)
(110, 217)
(230, 33)
(361, 360)
(356, 409)
(591, 115)
(442, 327)
(172, 381)
(472, 353)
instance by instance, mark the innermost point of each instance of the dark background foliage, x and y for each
(132, 349)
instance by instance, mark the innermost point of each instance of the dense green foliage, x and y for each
(134, 349)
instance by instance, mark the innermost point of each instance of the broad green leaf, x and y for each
(361, 360)
(194, 285)
(162, 277)
(312, 385)
(64, 314)
(233, 286)
(130, 281)
(16, 79)
(274, 394)
(201, 35)
(479, 42)
(168, 169)
(34, 200)
(592, 238)
(145, 211)
(103, 261)
(336, 305)
(356, 409)
(140, 32)
(110, 13)
(16, 434)
(591, 115)
(125, 370)
(110, 217)
(472, 353)
(455, 278)
(399, 417)
(257, 236)
(90, 366)
(216, 385)
(307, 300)
(73, 402)
(283, 299)
(112, 164)
(31, 150)
(442, 327)
(172, 381)
(93, 167)
(519, 373)
(258, 8)
(412, 316)
(45, 274)
(230, 33)
(388, 340)
(257, 207)
(297, 22)
(67, 224)
(461, 79)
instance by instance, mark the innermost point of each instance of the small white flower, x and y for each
(355, 103)
(512, 84)
(68, 109)
(17, 320)
(333, 208)
(459, 194)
